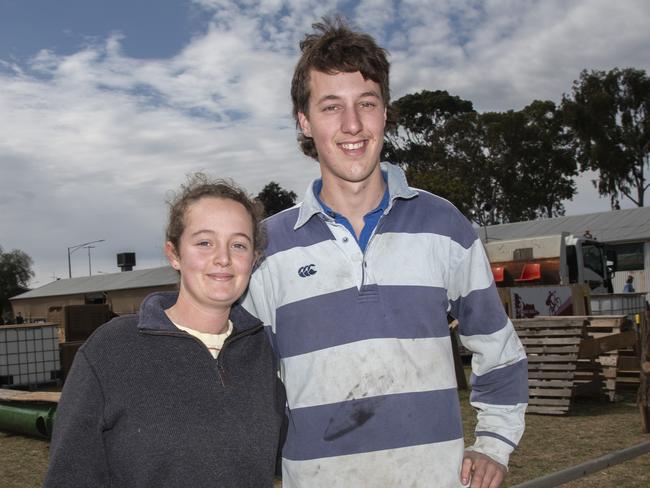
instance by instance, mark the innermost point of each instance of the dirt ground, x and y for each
(593, 428)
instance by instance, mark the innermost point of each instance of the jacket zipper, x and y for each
(219, 359)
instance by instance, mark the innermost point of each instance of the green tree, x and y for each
(432, 135)
(275, 198)
(531, 160)
(15, 273)
(495, 167)
(609, 113)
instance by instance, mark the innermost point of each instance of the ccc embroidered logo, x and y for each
(306, 271)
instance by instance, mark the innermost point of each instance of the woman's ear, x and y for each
(259, 257)
(172, 257)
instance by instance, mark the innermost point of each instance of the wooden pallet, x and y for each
(571, 356)
(618, 360)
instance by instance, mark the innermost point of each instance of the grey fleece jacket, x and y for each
(146, 405)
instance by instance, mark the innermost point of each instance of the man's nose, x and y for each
(351, 123)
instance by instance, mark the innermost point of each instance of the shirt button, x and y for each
(345, 239)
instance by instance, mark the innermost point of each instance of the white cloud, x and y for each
(92, 141)
(513, 52)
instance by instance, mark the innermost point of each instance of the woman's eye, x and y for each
(203, 243)
(240, 245)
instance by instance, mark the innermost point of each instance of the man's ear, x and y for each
(172, 257)
(305, 126)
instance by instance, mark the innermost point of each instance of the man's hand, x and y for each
(484, 471)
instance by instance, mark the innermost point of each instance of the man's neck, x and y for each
(353, 200)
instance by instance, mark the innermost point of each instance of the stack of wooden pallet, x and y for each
(570, 356)
(552, 345)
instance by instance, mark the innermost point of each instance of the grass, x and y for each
(593, 428)
(23, 461)
(551, 443)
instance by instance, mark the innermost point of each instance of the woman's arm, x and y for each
(77, 455)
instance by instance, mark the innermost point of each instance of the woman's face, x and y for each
(216, 254)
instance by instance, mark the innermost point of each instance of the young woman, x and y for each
(186, 392)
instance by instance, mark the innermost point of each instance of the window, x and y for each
(629, 256)
(593, 258)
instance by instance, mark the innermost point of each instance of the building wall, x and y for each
(640, 280)
(128, 301)
(38, 309)
(46, 308)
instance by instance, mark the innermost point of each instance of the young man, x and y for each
(356, 286)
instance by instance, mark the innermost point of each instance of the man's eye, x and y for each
(203, 243)
(368, 104)
(330, 108)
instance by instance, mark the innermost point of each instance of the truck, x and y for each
(560, 259)
(560, 274)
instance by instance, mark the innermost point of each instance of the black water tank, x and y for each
(126, 260)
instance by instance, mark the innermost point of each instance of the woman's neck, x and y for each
(202, 319)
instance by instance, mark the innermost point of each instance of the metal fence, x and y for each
(581, 470)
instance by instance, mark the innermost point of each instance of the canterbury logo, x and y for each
(306, 271)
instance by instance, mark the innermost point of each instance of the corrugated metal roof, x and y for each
(615, 226)
(142, 278)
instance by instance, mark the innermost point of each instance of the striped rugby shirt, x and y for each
(365, 350)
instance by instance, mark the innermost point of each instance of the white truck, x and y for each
(537, 275)
(561, 259)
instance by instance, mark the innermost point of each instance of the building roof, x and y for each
(142, 278)
(616, 226)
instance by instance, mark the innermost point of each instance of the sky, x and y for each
(105, 106)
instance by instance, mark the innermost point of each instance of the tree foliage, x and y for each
(532, 161)
(609, 115)
(15, 273)
(275, 198)
(432, 139)
(495, 167)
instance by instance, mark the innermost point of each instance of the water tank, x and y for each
(126, 260)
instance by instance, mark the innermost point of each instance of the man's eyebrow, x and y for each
(326, 98)
(370, 93)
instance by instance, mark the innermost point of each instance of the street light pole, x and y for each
(89, 268)
(72, 249)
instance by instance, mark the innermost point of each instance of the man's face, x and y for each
(346, 121)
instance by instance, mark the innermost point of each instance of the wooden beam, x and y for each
(592, 348)
(644, 386)
(7, 395)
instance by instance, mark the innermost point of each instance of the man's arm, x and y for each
(256, 300)
(499, 377)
